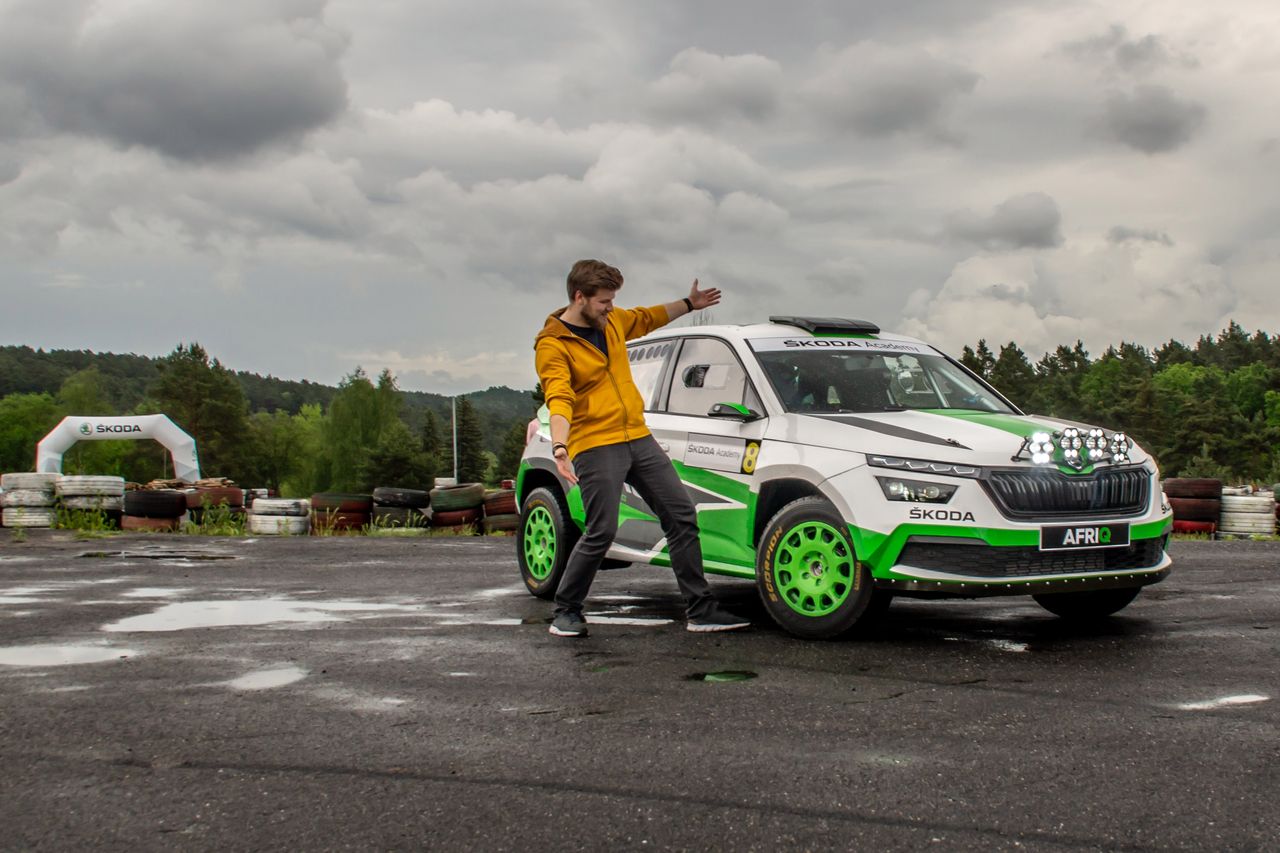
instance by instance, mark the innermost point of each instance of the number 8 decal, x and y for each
(749, 457)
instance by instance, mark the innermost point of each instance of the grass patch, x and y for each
(216, 521)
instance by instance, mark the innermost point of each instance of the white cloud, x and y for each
(705, 89)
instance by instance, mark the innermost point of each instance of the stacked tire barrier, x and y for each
(400, 508)
(1248, 513)
(90, 493)
(279, 517)
(153, 509)
(457, 506)
(500, 511)
(28, 500)
(334, 512)
(1196, 503)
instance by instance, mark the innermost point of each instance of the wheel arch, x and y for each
(774, 495)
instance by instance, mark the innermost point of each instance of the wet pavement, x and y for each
(336, 693)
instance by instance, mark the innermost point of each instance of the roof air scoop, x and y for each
(829, 325)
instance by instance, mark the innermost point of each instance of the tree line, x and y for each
(1208, 410)
(300, 439)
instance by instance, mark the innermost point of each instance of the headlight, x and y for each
(915, 491)
(924, 466)
(1040, 446)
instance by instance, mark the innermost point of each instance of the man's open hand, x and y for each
(703, 298)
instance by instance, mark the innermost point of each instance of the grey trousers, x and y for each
(642, 464)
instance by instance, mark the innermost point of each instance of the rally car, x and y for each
(839, 466)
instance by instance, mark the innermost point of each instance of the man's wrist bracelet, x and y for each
(688, 303)
(557, 445)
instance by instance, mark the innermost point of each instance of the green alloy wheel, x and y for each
(543, 541)
(807, 572)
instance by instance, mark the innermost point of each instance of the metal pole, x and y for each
(455, 439)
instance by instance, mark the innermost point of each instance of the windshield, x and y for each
(829, 381)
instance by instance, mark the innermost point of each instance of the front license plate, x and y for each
(1069, 538)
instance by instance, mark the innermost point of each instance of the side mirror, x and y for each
(734, 412)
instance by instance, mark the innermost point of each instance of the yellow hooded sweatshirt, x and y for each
(594, 393)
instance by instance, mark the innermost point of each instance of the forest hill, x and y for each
(295, 437)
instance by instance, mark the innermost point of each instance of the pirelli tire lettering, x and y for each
(808, 574)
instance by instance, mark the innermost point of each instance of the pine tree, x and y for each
(472, 464)
(204, 398)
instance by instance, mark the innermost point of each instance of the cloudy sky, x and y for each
(305, 186)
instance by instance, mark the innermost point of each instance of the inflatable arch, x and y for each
(181, 446)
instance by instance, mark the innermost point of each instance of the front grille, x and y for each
(990, 561)
(1038, 494)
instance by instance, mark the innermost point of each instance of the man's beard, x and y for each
(598, 321)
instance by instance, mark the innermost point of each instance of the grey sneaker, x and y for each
(717, 619)
(569, 625)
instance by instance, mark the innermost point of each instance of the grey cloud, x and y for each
(1029, 221)
(879, 91)
(1125, 234)
(704, 88)
(1152, 119)
(193, 80)
(1130, 55)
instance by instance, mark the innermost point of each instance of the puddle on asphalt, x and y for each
(262, 611)
(723, 677)
(156, 555)
(155, 592)
(603, 619)
(1008, 645)
(56, 655)
(1223, 702)
(266, 679)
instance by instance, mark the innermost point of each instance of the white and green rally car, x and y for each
(839, 466)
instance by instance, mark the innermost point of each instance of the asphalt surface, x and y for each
(350, 693)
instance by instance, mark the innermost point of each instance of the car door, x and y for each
(714, 456)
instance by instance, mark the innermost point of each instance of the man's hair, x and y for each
(590, 276)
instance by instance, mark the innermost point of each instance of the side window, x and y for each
(646, 367)
(708, 372)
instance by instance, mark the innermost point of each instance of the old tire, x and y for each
(155, 503)
(214, 496)
(807, 572)
(289, 507)
(341, 502)
(90, 486)
(93, 503)
(28, 516)
(1195, 509)
(137, 522)
(1086, 606)
(1192, 487)
(412, 498)
(544, 540)
(277, 525)
(463, 496)
(39, 482)
(27, 498)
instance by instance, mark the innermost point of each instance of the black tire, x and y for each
(808, 574)
(1086, 606)
(1192, 487)
(414, 498)
(155, 503)
(464, 496)
(1196, 509)
(341, 502)
(544, 511)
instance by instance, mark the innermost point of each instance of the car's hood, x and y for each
(959, 436)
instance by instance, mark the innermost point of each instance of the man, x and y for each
(597, 421)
